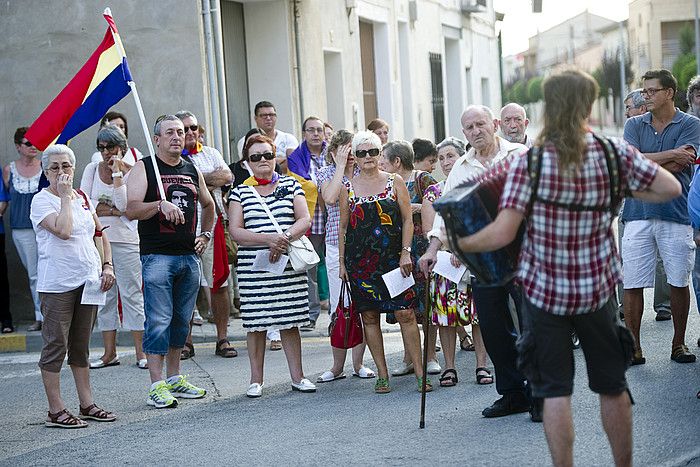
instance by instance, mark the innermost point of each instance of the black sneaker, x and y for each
(536, 409)
(507, 405)
(310, 326)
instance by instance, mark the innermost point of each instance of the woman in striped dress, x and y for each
(269, 300)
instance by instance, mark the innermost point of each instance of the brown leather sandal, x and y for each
(69, 421)
(93, 412)
(187, 351)
(226, 352)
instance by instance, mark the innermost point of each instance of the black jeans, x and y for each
(5, 316)
(499, 333)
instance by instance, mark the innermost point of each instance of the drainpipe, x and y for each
(211, 74)
(297, 53)
(221, 79)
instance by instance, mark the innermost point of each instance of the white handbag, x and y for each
(301, 252)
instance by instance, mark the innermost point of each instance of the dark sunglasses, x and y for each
(106, 147)
(193, 128)
(27, 143)
(257, 157)
(367, 152)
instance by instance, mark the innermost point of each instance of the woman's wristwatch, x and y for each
(207, 233)
(407, 249)
(288, 235)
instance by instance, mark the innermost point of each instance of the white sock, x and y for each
(173, 379)
(154, 385)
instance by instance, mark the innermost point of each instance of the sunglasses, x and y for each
(257, 157)
(106, 147)
(192, 128)
(361, 154)
(26, 143)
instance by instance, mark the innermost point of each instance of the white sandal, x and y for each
(328, 376)
(254, 390)
(364, 373)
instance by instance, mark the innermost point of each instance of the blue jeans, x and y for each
(499, 333)
(170, 285)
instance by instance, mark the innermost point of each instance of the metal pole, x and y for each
(623, 76)
(297, 53)
(211, 74)
(221, 78)
(697, 40)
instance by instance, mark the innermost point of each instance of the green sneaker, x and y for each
(159, 396)
(180, 387)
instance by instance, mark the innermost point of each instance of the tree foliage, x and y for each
(608, 74)
(534, 89)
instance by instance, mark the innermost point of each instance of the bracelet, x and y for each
(119, 174)
(159, 203)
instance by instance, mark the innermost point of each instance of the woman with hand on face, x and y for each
(268, 299)
(69, 263)
(452, 307)
(375, 235)
(131, 155)
(332, 180)
(104, 183)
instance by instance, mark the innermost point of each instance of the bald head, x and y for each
(513, 123)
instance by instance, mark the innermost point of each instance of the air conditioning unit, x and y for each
(473, 6)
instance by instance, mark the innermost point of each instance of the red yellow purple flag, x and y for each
(99, 84)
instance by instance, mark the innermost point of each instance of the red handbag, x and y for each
(346, 324)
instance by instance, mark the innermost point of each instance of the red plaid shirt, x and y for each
(568, 262)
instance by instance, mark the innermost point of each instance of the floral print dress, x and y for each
(450, 306)
(373, 248)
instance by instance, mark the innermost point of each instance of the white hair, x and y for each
(479, 108)
(365, 136)
(54, 150)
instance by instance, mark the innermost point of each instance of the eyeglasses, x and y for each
(314, 130)
(62, 167)
(361, 154)
(257, 157)
(106, 147)
(27, 144)
(649, 92)
(192, 128)
(270, 115)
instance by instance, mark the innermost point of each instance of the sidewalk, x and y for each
(23, 341)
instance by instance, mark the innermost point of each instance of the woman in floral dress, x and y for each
(375, 235)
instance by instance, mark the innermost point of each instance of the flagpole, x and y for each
(139, 109)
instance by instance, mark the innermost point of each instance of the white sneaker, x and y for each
(404, 369)
(197, 319)
(433, 367)
(304, 386)
(254, 390)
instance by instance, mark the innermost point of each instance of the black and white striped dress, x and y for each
(269, 300)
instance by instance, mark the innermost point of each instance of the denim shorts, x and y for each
(170, 286)
(546, 357)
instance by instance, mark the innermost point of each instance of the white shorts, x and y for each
(207, 265)
(640, 243)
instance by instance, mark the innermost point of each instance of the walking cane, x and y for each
(426, 332)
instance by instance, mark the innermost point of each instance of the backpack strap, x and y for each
(612, 159)
(534, 168)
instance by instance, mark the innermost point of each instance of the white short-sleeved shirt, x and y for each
(283, 142)
(64, 265)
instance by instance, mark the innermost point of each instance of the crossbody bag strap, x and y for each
(267, 210)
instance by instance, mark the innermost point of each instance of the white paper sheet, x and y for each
(444, 267)
(262, 262)
(93, 294)
(396, 283)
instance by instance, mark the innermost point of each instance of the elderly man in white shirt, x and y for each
(492, 303)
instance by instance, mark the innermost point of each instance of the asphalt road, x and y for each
(344, 423)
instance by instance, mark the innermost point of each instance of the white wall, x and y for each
(269, 54)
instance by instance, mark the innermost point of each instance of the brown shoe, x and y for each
(638, 358)
(275, 345)
(225, 349)
(681, 354)
(187, 351)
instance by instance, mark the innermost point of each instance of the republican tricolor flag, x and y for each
(99, 84)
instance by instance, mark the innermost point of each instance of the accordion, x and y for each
(469, 208)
